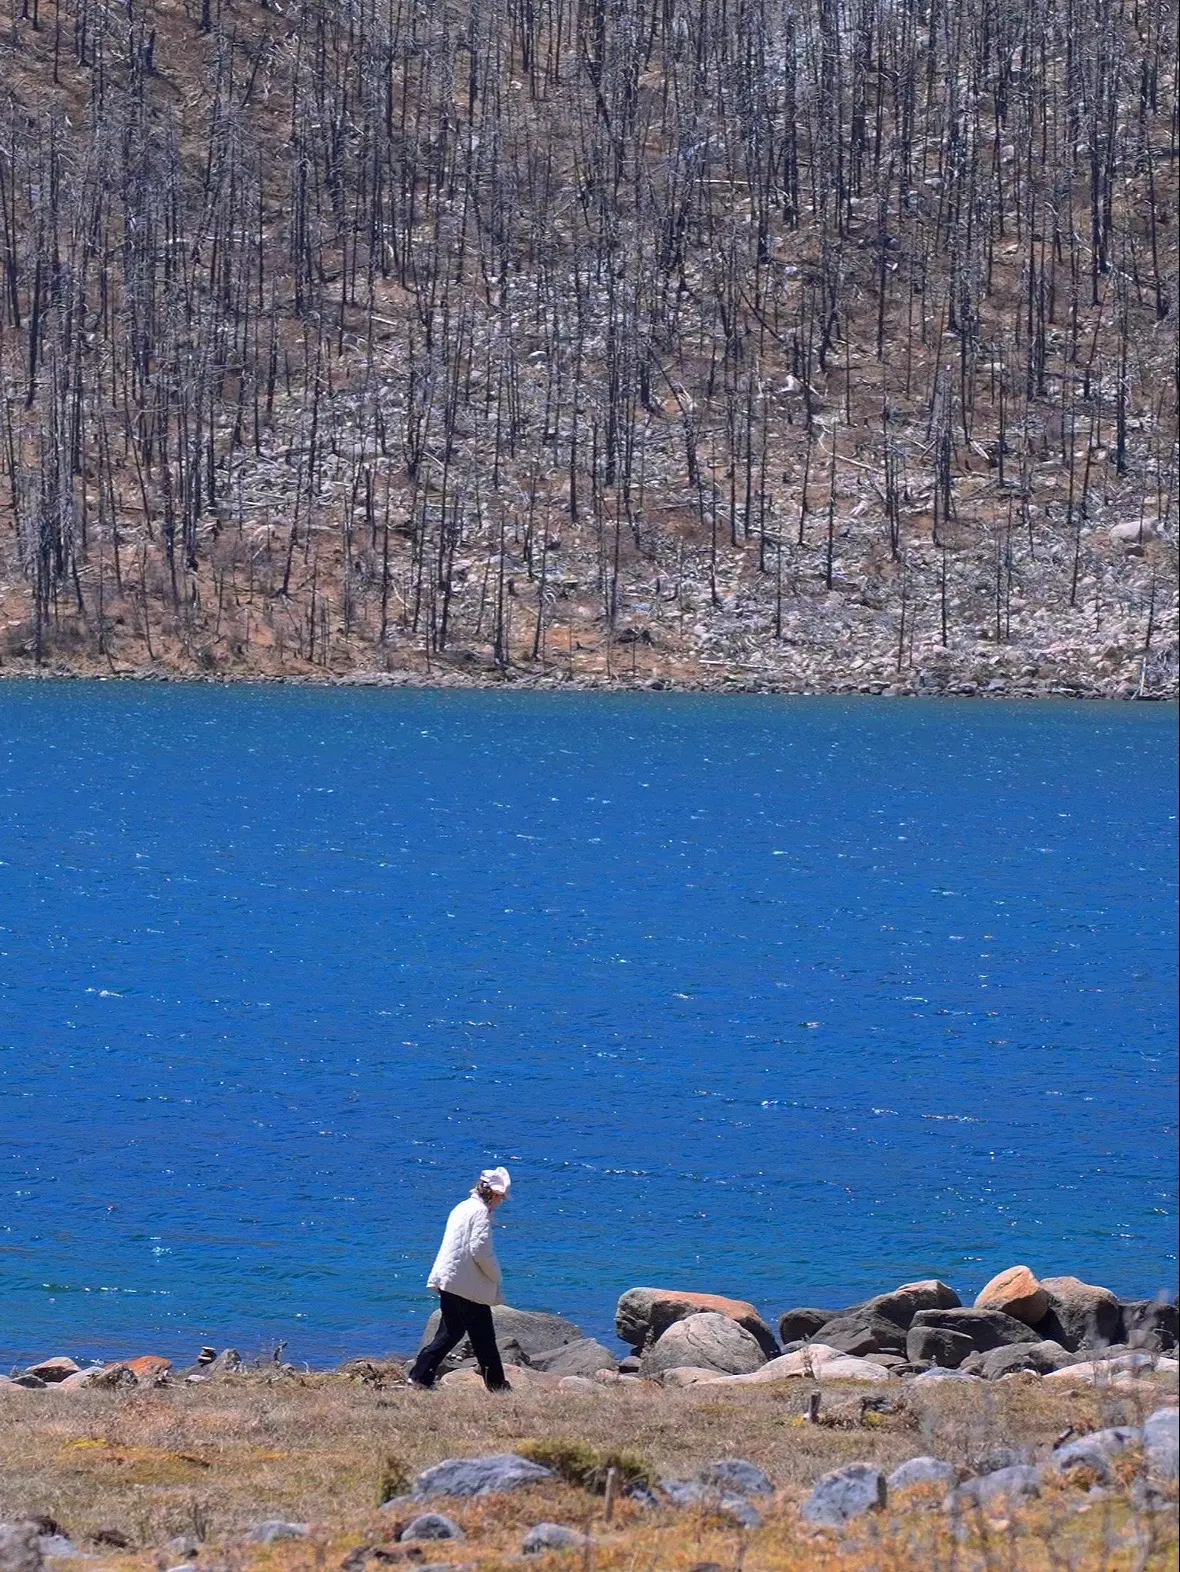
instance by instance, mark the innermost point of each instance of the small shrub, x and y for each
(579, 1463)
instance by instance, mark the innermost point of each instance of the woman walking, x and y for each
(468, 1279)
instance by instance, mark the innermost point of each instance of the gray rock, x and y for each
(903, 1304)
(1096, 1450)
(1021, 1482)
(478, 1476)
(533, 1332)
(551, 1536)
(32, 1382)
(736, 1474)
(934, 1344)
(999, 1458)
(987, 1329)
(1150, 1323)
(845, 1493)
(20, 1548)
(707, 1340)
(1041, 1357)
(184, 1566)
(797, 1325)
(630, 1365)
(695, 1492)
(582, 1358)
(923, 1471)
(863, 1334)
(1080, 1315)
(274, 1528)
(431, 1525)
(1161, 1442)
(643, 1315)
(936, 1377)
(58, 1547)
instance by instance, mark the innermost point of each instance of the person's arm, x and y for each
(484, 1255)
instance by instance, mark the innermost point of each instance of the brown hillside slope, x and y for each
(809, 345)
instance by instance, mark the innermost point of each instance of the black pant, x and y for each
(462, 1318)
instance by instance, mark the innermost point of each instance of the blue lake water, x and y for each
(792, 999)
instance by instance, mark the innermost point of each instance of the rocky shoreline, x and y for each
(922, 684)
(1058, 1329)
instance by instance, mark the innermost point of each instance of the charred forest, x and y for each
(808, 344)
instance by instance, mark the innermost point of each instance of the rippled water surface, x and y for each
(787, 998)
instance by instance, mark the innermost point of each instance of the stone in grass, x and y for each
(1096, 1450)
(844, 1494)
(923, 1471)
(478, 1476)
(1006, 1486)
(431, 1525)
(275, 1529)
(694, 1492)
(20, 1548)
(58, 1547)
(1161, 1442)
(551, 1536)
(736, 1474)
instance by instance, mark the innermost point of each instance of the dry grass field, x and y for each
(181, 1473)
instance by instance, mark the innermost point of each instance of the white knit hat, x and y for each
(497, 1180)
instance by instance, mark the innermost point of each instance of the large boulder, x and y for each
(804, 1322)
(902, 1304)
(1017, 1292)
(845, 1493)
(1149, 1323)
(643, 1315)
(1041, 1357)
(987, 1329)
(478, 1476)
(934, 1345)
(707, 1339)
(51, 1371)
(582, 1358)
(525, 1334)
(1080, 1315)
(862, 1333)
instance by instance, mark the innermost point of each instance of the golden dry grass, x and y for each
(208, 1462)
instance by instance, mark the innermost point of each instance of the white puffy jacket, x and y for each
(466, 1262)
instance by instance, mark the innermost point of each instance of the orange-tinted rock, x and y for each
(1017, 1293)
(148, 1367)
(645, 1314)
